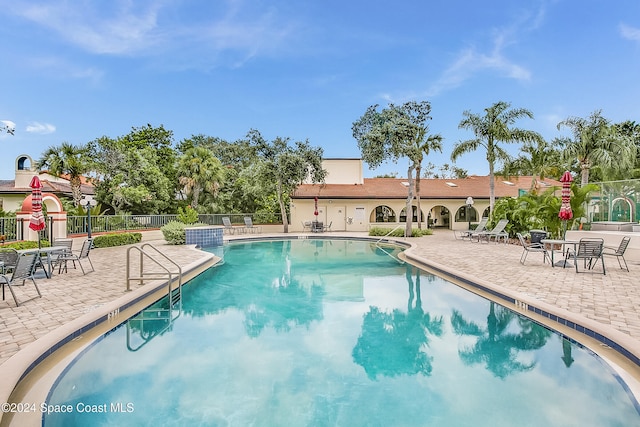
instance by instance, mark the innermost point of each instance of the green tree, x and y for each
(136, 173)
(396, 132)
(596, 143)
(286, 166)
(538, 159)
(67, 159)
(490, 130)
(199, 171)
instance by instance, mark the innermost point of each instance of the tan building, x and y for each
(350, 202)
(13, 192)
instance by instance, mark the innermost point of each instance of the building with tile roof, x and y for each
(350, 202)
(13, 192)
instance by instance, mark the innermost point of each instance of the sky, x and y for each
(74, 71)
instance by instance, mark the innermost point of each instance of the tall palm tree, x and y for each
(199, 170)
(490, 130)
(424, 146)
(67, 159)
(596, 142)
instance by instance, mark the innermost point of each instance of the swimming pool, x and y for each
(334, 332)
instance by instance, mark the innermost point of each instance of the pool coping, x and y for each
(19, 365)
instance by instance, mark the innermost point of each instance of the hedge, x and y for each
(116, 239)
(26, 244)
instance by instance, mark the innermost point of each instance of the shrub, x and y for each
(399, 232)
(173, 232)
(26, 244)
(188, 215)
(116, 239)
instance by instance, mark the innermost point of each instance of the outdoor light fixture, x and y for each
(88, 202)
(469, 205)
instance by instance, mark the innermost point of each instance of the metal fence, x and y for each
(12, 228)
(615, 201)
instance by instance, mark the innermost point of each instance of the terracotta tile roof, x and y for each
(393, 188)
(8, 187)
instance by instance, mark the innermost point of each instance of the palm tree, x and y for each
(199, 171)
(67, 159)
(596, 142)
(423, 147)
(538, 159)
(490, 130)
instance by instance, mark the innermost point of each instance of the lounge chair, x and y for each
(532, 247)
(496, 233)
(83, 254)
(466, 234)
(618, 252)
(228, 227)
(248, 225)
(23, 270)
(590, 251)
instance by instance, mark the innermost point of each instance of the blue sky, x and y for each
(72, 71)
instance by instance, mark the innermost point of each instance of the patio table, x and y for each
(48, 251)
(550, 245)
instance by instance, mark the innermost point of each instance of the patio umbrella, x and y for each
(566, 213)
(36, 222)
(315, 212)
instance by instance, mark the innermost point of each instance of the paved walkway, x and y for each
(612, 300)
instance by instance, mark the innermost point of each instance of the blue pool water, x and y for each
(335, 333)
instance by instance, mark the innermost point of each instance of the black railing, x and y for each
(12, 228)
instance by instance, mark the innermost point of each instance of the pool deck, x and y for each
(611, 301)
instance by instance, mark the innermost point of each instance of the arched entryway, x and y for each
(439, 217)
(382, 213)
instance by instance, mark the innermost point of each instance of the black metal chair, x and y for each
(589, 251)
(79, 256)
(532, 247)
(619, 252)
(23, 270)
(8, 259)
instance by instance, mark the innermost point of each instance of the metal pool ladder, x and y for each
(167, 274)
(153, 321)
(383, 249)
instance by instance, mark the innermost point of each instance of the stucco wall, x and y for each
(359, 215)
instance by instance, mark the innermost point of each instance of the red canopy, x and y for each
(36, 222)
(565, 208)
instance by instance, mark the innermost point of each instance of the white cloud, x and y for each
(126, 28)
(41, 128)
(630, 33)
(471, 61)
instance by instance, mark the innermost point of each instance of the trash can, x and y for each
(537, 235)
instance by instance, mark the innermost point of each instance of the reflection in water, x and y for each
(396, 343)
(498, 344)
